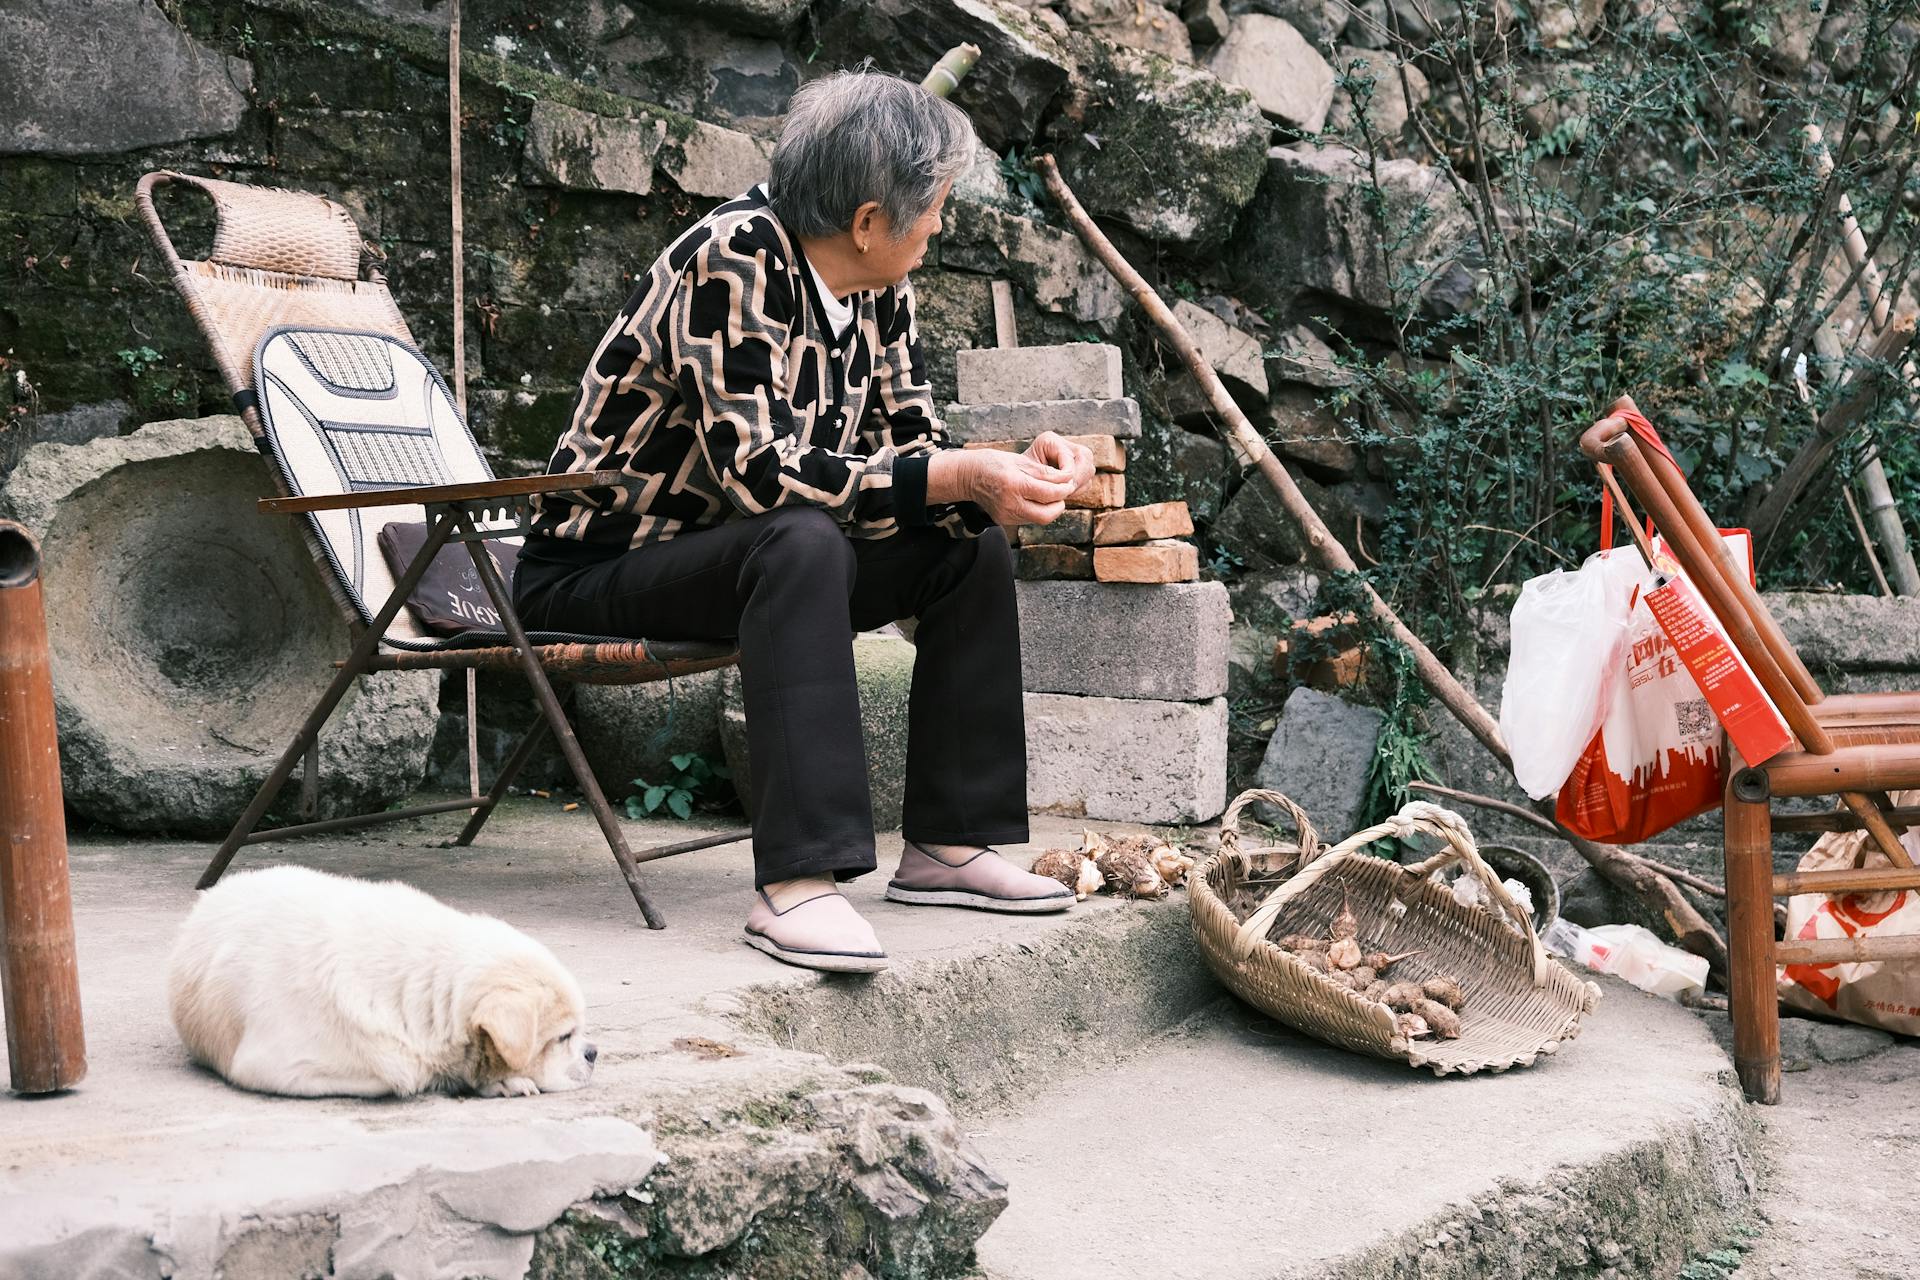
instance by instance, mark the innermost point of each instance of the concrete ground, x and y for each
(1105, 1108)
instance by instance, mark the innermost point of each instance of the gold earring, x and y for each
(863, 248)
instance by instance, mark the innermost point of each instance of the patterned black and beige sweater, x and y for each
(721, 392)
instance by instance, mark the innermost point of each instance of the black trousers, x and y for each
(794, 588)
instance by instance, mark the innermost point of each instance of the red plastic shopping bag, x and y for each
(1655, 760)
(1658, 756)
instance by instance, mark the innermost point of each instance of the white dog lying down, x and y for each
(293, 981)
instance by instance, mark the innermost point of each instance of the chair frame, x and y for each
(259, 235)
(1857, 747)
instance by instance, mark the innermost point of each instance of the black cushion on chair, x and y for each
(449, 599)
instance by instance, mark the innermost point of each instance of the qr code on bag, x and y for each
(1696, 718)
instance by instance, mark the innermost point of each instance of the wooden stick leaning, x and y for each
(1689, 927)
(1553, 828)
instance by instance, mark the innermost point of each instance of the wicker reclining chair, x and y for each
(360, 432)
(1854, 746)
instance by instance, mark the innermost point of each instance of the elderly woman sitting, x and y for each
(790, 484)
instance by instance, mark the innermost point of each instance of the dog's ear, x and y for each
(509, 1018)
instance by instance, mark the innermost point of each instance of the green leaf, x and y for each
(654, 796)
(723, 771)
(682, 760)
(634, 810)
(681, 802)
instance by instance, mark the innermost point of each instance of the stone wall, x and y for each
(593, 134)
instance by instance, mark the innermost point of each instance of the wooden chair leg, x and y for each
(516, 761)
(562, 731)
(1755, 995)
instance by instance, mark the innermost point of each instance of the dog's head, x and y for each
(528, 1031)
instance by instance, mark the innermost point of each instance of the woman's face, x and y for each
(889, 257)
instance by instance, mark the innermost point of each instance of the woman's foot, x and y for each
(946, 875)
(807, 922)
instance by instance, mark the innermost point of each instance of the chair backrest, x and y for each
(323, 371)
(1625, 441)
(347, 412)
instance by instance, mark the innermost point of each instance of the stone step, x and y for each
(1234, 1148)
(1067, 371)
(1021, 421)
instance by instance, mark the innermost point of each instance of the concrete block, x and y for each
(1022, 421)
(1142, 524)
(1127, 759)
(1069, 371)
(1124, 640)
(1052, 562)
(1157, 562)
(1073, 528)
(1107, 489)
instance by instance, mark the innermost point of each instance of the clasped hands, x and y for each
(1013, 488)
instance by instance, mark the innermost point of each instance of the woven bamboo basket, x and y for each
(1520, 1003)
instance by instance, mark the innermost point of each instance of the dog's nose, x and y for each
(591, 1052)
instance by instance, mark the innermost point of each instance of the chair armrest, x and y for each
(423, 495)
(1857, 766)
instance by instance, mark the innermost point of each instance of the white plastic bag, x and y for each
(1631, 952)
(1567, 633)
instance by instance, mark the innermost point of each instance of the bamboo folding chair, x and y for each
(1854, 746)
(360, 432)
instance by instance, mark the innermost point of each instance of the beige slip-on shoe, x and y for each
(984, 880)
(808, 923)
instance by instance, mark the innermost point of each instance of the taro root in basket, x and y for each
(1519, 1003)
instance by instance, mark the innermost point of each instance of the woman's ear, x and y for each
(866, 225)
(510, 1020)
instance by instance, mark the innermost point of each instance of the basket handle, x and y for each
(1417, 816)
(1310, 847)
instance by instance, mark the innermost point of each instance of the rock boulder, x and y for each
(85, 77)
(191, 634)
(1312, 230)
(1319, 756)
(1272, 61)
(1055, 269)
(1021, 65)
(1165, 148)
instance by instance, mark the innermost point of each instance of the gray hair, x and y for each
(862, 135)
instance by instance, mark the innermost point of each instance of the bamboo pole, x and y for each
(39, 977)
(1889, 344)
(951, 70)
(1890, 533)
(456, 198)
(1689, 927)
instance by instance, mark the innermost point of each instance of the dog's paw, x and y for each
(511, 1087)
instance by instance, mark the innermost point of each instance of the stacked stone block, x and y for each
(1123, 653)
